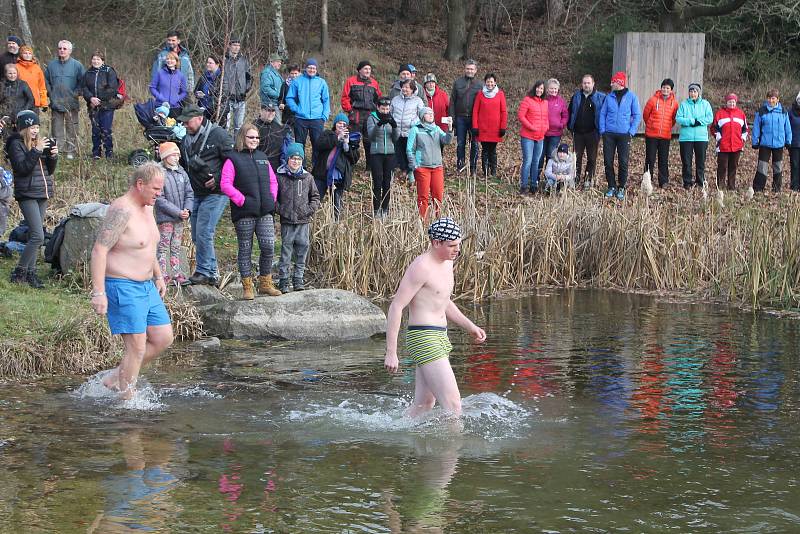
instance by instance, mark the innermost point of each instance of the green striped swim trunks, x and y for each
(426, 344)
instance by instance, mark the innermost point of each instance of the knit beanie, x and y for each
(363, 64)
(696, 86)
(341, 117)
(163, 110)
(168, 148)
(731, 96)
(563, 147)
(404, 67)
(14, 39)
(295, 149)
(620, 78)
(669, 82)
(423, 112)
(312, 61)
(25, 119)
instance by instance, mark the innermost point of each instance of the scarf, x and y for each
(430, 93)
(333, 174)
(490, 94)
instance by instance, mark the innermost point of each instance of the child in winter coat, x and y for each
(163, 118)
(298, 199)
(172, 210)
(424, 151)
(560, 170)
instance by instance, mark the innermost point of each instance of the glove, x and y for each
(502, 132)
(381, 122)
(392, 122)
(696, 123)
(475, 132)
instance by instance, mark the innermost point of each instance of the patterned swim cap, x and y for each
(444, 229)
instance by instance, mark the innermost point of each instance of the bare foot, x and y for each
(128, 394)
(111, 381)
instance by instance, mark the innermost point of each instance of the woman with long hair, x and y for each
(534, 123)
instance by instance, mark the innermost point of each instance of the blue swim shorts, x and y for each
(133, 306)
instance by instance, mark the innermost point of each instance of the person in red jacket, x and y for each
(534, 122)
(436, 99)
(489, 122)
(659, 119)
(730, 131)
(360, 96)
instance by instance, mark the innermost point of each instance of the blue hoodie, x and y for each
(309, 98)
(771, 127)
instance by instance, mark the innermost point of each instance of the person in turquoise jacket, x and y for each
(269, 86)
(771, 132)
(694, 116)
(310, 101)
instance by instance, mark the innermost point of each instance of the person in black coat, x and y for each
(33, 162)
(15, 94)
(101, 91)
(337, 152)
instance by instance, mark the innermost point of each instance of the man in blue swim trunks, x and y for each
(127, 283)
(426, 288)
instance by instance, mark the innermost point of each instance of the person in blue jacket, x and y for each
(169, 84)
(694, 116)
(619, 119)
(584, 123)
(771, 132)
(794, 146)
(309, 99)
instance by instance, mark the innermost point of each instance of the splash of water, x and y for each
(144, 399)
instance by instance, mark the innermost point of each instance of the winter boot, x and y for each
(265, 286)
(247, 288)
(283, 285)
(298, 285)
(33, 279)
(19, 276)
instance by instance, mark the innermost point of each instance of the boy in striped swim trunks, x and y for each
(426, 288)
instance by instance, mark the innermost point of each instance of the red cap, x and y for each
(620, 78)
(731, 96)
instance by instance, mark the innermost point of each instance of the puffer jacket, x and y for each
(32, 73)
(169, 86)
(794, 123)
(620, 113)
(556, 167)
(101, 83)
(533, 118)
(659, 116)
(405, 111)
(33, 171)
(557, 115)
(64, 80)
(462, 97)
(771, 128)
(691, 112)
(298, 198)
(14, 97)
(489, 116)
(380, 136)
(309, 98)
(269, 86)
(249, 181)
(176, 196)
(730, 129)
(237, 80)
(185, 63)
(424, 148)
(325, 144)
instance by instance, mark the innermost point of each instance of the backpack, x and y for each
(122, 92)
(52, 250)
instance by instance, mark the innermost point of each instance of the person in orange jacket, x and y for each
(659, 119)
(30, 71)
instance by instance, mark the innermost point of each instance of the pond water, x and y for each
(585, 411)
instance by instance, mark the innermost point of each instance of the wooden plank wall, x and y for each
(648, 58)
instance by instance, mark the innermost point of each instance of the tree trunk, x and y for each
(555, 11)
(456, 30)
(280, 37)
(323, 38)
(7, 17)
(22, 16)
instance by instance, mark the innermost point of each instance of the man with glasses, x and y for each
(63, 77)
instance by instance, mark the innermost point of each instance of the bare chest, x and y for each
(141, 233)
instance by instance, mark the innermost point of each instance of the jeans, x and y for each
(236, 112)
(64, 127)
(338, 193)
(303, 128)
(294, 239)
(264, 228)
(206, 213)
(698, 149)
(531, 152)
(621, 144)
(762, 168)
(727, 165)
(549, 147)
(589, 142)
(657, 148)
(464, 129)
(489, 159)
(381, 166)
(794, 162)
(101, 132)
(430, 186)
(33, 210)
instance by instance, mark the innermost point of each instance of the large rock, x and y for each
(313, 315)
(203, 295)
(79, 234)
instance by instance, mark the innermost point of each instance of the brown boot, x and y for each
(266, 287)
(247, 288)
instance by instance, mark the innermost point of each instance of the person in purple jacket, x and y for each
(169, 85)
(558, 116)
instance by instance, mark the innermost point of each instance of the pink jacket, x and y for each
(236, 196)
(557, 114)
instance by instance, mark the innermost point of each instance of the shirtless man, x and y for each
(127, 283)
(426, 288)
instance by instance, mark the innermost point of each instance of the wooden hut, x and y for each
(648, 58)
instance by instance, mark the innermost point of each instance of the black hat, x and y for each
(25, 119)
(405, 67)
(363, 64)
(269, 106)
(669, 82)
(235, 40)
(189, 112)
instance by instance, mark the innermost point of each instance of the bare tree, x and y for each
(555, 11)
(674, 14)
(22, 16)
(323, 37)
(7, 12)
(280, 37)
(459, 32)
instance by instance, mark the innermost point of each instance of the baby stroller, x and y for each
(154, 132)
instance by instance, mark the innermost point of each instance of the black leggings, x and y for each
(381, 166)
(264, 228)
(489, 158)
